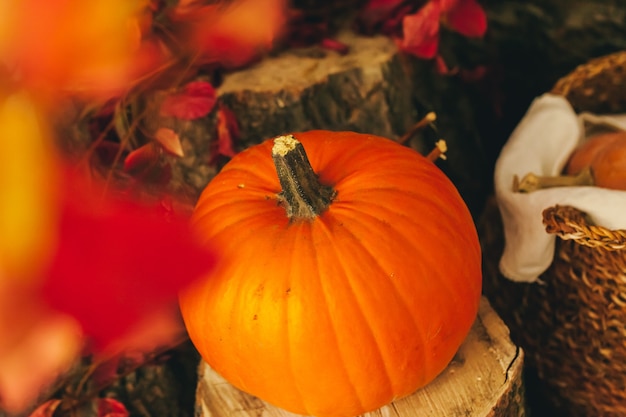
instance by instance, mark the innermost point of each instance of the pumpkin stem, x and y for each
(427, 120)
(531, 182)
(303, 196)
(439, 151)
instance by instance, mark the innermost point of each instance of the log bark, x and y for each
(162, 388)
(483, 380)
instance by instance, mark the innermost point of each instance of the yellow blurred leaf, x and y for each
(28, 182)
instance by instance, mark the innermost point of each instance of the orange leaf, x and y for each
(233, 33)
(73, 44)
(170, 141)
(43, 350)
(46, 409)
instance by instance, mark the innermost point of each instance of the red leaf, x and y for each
(227, 133)
(393, 25)
(145, 164)
(377, 13)
(442, 67)
(468, 18)
(142, 158)
(117, 262)
(334, 45)
(421, 31)
(473, 75)
(196, 100)
(108, 407)
(447, 5)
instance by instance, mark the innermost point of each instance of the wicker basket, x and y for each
(572, 324)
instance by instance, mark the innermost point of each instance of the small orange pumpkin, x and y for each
(605, 155)
(353, 286)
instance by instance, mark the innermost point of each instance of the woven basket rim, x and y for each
(565, 84)
(569, 223)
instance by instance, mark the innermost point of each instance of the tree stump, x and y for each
(373, 88)
(483, 380)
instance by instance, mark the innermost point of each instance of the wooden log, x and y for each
(367, 90)
(374, 88)
(483, 380)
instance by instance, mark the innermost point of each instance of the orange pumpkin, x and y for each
(353, 286)
(605, 155)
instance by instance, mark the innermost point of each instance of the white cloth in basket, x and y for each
(541, 144)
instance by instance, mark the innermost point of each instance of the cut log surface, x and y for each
(366, 90)
(483, 380)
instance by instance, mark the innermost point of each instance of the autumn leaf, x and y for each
(420, 28)
(227, 134)
(231, 34)
(84, 46)
(376, 14)
(468, 18)
(147, 165)
(442, 67)
(28, 184)
(421, 31)
(107, 407)
(196, 100)
(335, 45)
(43, 346)
(110, 407)
(142, 158)
(110, 278)
(36, 344)
(170, 141)
(117, 262)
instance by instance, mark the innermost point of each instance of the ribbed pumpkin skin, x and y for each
(343, 314)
